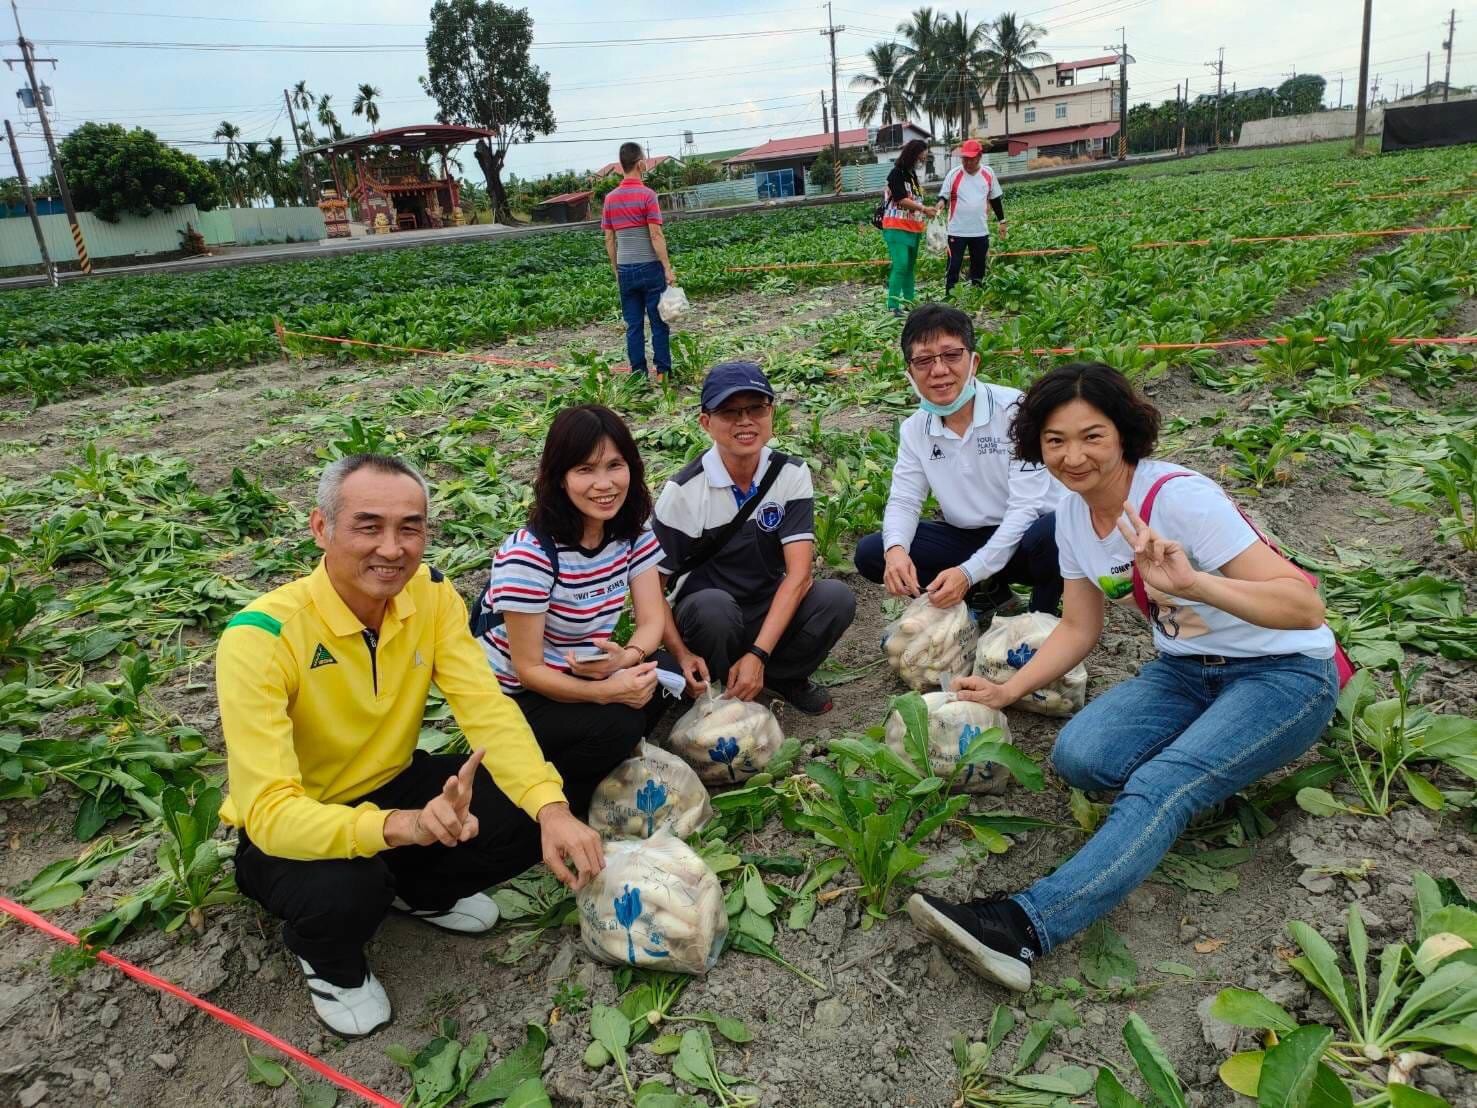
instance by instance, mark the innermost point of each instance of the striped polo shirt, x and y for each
(582, 606)
(630, 209)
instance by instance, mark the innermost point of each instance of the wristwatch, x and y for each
(760, 653)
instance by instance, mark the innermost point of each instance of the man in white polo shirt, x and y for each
(965, 191)
(999, 519)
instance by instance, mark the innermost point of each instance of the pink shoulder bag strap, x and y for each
(1141, 596)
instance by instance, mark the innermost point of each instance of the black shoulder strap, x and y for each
(483, 618)
(706, 548)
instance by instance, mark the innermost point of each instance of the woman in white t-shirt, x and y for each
(588, 699)
(1244, 683)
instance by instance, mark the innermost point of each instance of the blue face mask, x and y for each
(966, 394)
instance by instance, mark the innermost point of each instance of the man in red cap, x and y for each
(965, 190)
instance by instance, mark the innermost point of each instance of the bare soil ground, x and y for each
(879, 1033)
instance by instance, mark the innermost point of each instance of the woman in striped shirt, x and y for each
(588, 699)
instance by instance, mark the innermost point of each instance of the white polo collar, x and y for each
(718, 475)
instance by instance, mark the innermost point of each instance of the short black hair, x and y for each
(573, 438)
(1102, 386)
(928, 321)
(630, 155)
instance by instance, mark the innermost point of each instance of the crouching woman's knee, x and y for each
(1078, 758)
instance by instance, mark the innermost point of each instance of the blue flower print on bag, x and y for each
(650, 799)
(1018, 656)
(724, 752)
(967, 734)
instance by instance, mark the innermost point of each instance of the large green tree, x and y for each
(480, 75)
(1301, 94)
(364, 104)
(919, 48)
(964, 68)
(112, 171)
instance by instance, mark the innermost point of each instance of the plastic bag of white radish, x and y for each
(726, 741)
(657, 905)
(654, 790)
(953, 725)
(926, 644)
(1009, 644)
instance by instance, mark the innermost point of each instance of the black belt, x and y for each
(1216, 659)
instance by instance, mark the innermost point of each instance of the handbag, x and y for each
(1141, 595)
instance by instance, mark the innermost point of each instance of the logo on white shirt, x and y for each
(770, 515)
(938, 453)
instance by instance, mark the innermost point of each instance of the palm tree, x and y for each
(1013, 44)
(302, 99)
(965, 64)
(919, 50)
(364, 105)
(889, 93)
(327, 118)
(229, 133)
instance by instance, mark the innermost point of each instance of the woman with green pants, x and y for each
(904, 218)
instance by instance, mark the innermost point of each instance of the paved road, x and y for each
(405, 240)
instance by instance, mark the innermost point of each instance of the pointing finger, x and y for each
(468, 773)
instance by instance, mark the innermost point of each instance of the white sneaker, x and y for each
(348, 1012)
(471, 915)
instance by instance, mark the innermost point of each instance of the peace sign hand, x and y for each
(1161, 562)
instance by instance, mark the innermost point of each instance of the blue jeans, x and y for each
(642, 286)
(1177, 739)
(938, 546)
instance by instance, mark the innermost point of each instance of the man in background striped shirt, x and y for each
(632, 222)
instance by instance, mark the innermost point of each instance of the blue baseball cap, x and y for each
(729, 378)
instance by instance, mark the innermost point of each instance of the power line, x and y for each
(400, 47)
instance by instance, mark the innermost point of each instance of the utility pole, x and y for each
(28, 59)
(1219, 65)
(1363, 81)
(1341, 92)
(831, 31)
(1450, 35)
(1428, 76)
(1184, 111)
(20, 172)
(309, 193)
(825, 113)
(1122, 49)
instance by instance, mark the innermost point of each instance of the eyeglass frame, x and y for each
(733, 416)
(953, 359)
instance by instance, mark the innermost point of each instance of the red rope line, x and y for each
(1384, 231)
(486, 359)
(143, 976)
(1223, 344)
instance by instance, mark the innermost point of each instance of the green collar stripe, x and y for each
(256, 619)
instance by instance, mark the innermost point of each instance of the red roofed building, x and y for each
(799, 153)
(615, 167)
(1073, 113)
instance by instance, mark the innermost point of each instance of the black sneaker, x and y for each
(982, 933)
(989, 599)
(805, 695)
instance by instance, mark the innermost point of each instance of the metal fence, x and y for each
(157, 233)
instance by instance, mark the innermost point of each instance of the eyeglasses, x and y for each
(751, 412)
(951, 358)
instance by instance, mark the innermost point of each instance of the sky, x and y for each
(735, 74)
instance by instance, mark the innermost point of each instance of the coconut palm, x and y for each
(919, 51)
(1014, 46)
(229, 133)
(364, 105)
(888, 93)
(964, 66)
(327, 117)
(302, 99)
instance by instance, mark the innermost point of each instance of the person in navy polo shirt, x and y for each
(736, 531)
(632, 221)
(999, 521)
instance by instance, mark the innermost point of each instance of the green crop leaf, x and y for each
(1105, 956)
(1244, 1008)
(1152, 1063)
(517, 1068)
(1110, 1092)
(1290, 1068)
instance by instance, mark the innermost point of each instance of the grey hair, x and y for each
(331, 483)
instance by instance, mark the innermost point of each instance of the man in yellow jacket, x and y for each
(322, 686)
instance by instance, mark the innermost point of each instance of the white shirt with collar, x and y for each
(976, 479)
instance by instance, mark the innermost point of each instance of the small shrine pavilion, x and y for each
(395, 176)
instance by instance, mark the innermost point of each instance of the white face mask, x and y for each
(966, 394)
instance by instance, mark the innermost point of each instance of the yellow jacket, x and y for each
(314, 720)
